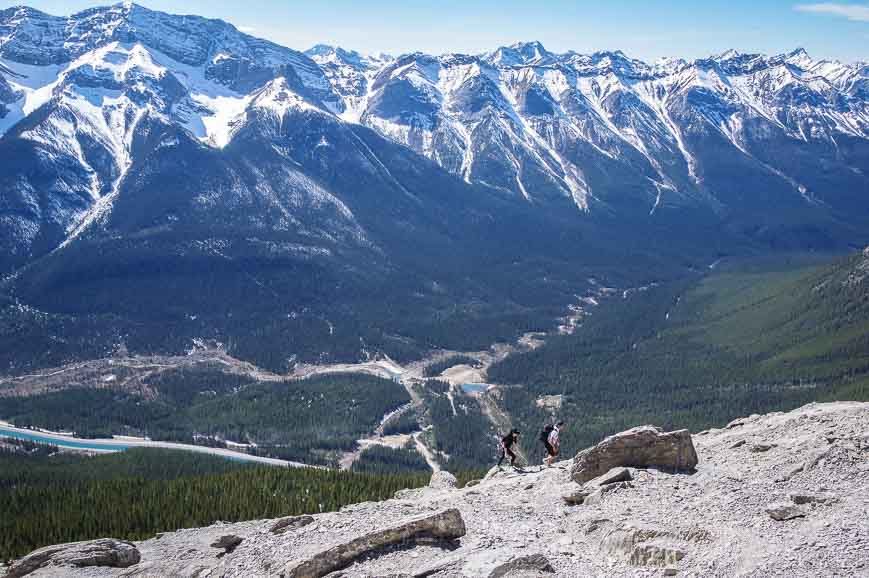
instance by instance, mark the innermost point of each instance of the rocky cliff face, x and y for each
(783, 494)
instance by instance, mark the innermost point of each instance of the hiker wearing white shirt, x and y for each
(552, 442)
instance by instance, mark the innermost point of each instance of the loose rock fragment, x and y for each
(576, 497)
(228, 543)
(596, 496)
(783, 512)
(790, 473)
(611, 477)
(655, 555)
(291, 523)
(526, 565)
(801, 499)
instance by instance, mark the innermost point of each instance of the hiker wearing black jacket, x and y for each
(506, 447)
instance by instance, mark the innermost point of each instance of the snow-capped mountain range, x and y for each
(130, 136)
(541, 124)
(603, 131)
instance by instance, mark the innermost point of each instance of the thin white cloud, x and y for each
(855, 12)
(247, 29)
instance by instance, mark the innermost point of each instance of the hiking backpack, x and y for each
(544, 435)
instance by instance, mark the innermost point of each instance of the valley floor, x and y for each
(120, 443)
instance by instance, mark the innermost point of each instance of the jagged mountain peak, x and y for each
(329, 55)
(328, 50)
(734, 62)
(531, 50)
(520, 53)
(726, 55)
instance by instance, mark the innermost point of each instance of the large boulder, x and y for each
(442, 480)
(640, 447)
(103, 552)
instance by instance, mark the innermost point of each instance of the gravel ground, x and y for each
(713, 522)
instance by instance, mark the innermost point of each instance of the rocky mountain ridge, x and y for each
(782, 494)
(534, 122)
(734, 135)
(270, 196)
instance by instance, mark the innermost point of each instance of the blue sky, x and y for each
(643, 29)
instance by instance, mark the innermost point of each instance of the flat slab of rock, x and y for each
(811, 498)
(291, 523)
(598, 494)
(532, 565)
(783, 511)
(613, 476)
(655, 555)
(640, 447)
(576, 497)
(104, 552)
(446, 525)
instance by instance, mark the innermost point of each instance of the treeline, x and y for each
(465, 435)
(310, 420)
(378, 459)
(404, 423)
(272, 309)
(135, 494)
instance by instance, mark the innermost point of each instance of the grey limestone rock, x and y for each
(784, 511)
(442, 479)
(645, 446)
(102, 552)
(531, 565)
(445, 525)
(290, 523)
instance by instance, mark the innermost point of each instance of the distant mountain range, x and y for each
(609, 132)
(166, 178)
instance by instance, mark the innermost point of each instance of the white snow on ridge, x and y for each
(613, 104)
(34, 83)
(220, 115)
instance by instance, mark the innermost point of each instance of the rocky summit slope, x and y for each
(783, 494)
